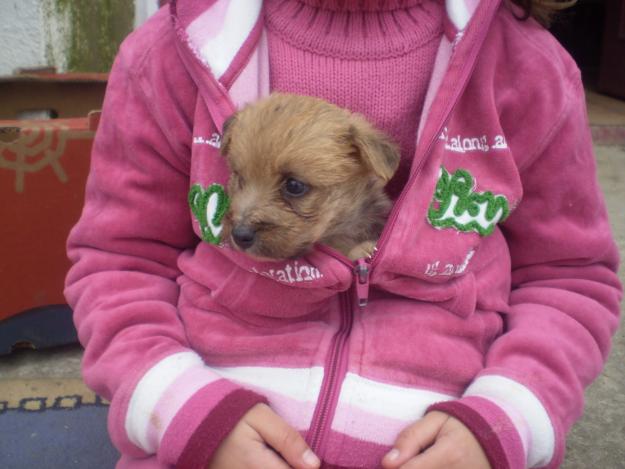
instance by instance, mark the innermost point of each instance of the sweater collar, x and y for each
(220, 32)
(360, 5)
(332, 29)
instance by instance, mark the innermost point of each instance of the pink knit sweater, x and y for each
(373, 57)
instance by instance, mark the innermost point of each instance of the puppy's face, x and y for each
(297, 166)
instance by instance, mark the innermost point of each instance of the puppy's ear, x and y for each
(226, 133)
(376, 150)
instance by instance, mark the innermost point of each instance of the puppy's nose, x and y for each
(244, 236)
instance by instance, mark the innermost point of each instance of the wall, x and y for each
(21, 35)
(71, 35)
(144, 9)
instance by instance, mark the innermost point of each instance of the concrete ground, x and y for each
(598, 439)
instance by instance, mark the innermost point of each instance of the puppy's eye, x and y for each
(295, 188)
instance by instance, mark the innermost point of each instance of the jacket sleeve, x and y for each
(122, 285)
(564, 304)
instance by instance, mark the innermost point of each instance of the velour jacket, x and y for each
(492, 294)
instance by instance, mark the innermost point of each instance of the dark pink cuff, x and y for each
(214, 428)
(492, 427)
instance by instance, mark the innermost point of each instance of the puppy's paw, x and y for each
(364, 249)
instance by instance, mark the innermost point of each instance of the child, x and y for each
(465, 341)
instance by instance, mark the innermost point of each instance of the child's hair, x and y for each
(542, 11)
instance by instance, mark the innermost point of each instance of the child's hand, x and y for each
(450, 445)
(262, 439)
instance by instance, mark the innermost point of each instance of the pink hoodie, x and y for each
(492, 295)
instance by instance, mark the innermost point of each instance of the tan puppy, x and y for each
(304, 171)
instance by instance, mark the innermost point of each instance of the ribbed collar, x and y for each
(361, 5)
(356, 29)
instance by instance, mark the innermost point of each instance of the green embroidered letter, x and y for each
(209, 207)
(460, 207)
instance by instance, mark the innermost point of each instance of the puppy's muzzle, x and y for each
(244, 236)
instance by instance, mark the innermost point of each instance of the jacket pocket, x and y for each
(456, 295)
(246, 292)
(286, 289)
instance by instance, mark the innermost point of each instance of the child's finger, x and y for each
(451, 451)
(283, 438)
(414, 439)
(441, 454)
(268, 459)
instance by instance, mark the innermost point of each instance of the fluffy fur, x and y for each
(288, 142)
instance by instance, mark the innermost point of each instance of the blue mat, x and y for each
(53, 432)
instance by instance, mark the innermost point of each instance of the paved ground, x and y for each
(598, 439)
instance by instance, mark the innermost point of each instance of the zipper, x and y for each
(392, 218)
(336, 363)
(361, 270)
(336, 366)
(463, 79)
(362, 267)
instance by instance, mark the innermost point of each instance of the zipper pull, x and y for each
(361, 270)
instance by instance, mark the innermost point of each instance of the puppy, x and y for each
(304, 171)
